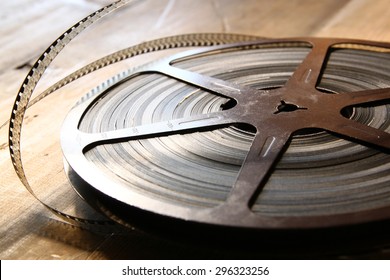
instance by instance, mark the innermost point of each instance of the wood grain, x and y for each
(28, 230)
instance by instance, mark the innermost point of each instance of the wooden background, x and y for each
(27, 27)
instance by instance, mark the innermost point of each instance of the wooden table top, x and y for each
(28, 230)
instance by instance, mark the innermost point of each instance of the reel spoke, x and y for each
(366, 96)
(306, 75)
(218, 86)
(258, 165)
(360, 132)
(183, 125)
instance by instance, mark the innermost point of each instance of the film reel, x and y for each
(245, 134)
(198, 136)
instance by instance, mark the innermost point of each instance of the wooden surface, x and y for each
(28, 230)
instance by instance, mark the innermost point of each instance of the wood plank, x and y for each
(28, 230)
(360, 19)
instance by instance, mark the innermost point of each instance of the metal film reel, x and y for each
(268, 134)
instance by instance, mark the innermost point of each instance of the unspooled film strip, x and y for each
(239, 133)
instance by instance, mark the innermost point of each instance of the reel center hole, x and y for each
(287, 107)
(229, 104)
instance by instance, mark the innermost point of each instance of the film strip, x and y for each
(22, 102)
(270, 118)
